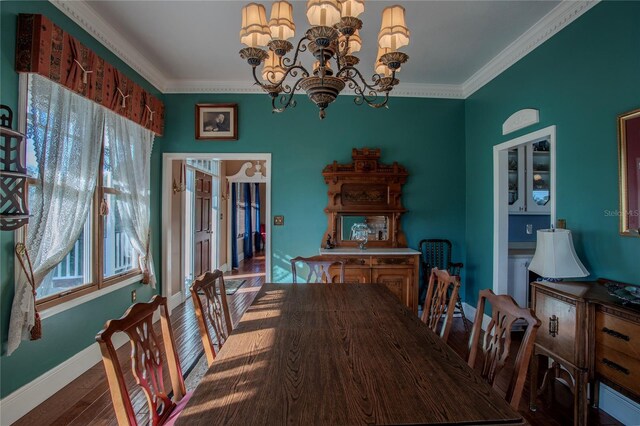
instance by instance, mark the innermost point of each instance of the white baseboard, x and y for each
(619, 406)
(470, 313)
(224, 268)
(175, 301)
(34, 393)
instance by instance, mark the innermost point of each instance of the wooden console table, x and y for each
(591, 336)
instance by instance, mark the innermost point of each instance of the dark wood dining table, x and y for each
(339, 354)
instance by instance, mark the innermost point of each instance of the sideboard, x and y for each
(396, 268)
(591, 336)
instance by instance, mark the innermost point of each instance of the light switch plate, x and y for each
(278, 220)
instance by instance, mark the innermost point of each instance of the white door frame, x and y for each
(243, 177)
(167, 158)
(501, 204)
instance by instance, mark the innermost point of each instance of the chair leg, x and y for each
(464, 318)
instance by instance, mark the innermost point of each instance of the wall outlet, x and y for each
(529, 229)
(133, 296)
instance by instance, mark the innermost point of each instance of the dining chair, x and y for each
(440, 301)
(146, 364)
(436, 253)
(212, 311)
(496, 342)
(318, 268)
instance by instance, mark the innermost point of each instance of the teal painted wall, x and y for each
(424, 135)
(580, 80)
(69, 332)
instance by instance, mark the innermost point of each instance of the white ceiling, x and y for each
(186, 46)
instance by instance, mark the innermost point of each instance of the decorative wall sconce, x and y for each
(14, 212)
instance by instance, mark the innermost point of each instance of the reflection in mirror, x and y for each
(378, 227)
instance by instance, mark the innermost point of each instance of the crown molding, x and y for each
(409, 90)
(554, 21)
(87, 18)
(557, 19)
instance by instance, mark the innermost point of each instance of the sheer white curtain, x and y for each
(130, 154)
(67, 131)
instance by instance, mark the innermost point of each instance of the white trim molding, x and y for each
(520, 119)
(618, 406)
(561, 16)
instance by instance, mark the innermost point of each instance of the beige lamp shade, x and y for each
(394, 33)
(352, 7)
(272, 70)
(555, 256)
(254, 31)
(281, 23)
(355, 42)
(324, 13)
(381, 68)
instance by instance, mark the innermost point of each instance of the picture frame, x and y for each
(217, 122)
(629, 166)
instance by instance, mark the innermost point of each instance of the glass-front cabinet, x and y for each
(516, 168)
(529, 170)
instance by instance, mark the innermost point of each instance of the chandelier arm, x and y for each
(292, 71)
(345, 73)
(370, 99)
(288, 97)
(299, 48)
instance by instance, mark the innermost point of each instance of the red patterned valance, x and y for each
(44, 48)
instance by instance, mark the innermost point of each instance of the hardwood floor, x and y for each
(86, 400)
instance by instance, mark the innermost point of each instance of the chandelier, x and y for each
(333, 38)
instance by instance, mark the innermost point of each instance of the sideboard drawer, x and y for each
(618, 367)
(356, 261)
(560, 316)
(618, 333)
(394, 260)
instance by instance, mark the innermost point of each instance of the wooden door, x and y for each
(397, 279)
(202, 229)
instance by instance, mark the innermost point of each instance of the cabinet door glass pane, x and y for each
(541, 173)
(513, 176)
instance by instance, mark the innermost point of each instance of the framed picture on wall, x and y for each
(629, 158)
(217, 122)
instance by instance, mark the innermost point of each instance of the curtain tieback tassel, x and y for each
(124, 98)
(150, 113)
(84, 71)
(25, 264)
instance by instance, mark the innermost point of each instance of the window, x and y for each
(104, 234)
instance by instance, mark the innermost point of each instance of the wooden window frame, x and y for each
(98, 281)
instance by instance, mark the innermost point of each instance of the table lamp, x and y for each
(555, 257)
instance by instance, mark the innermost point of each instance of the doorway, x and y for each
(524, 194)
(196, 223)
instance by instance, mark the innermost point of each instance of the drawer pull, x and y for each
(615, 366)
(615, 334)
(553, 325)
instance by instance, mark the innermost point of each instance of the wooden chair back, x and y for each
(440, 302)
(146, 360)
(318, 268)
(496, 342)
(212, 312)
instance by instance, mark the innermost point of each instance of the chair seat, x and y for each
(173, 417)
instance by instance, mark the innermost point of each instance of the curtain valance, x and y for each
(44, 48)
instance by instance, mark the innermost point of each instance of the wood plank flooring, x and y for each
(86, 400)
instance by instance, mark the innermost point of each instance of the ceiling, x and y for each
(188, 46)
